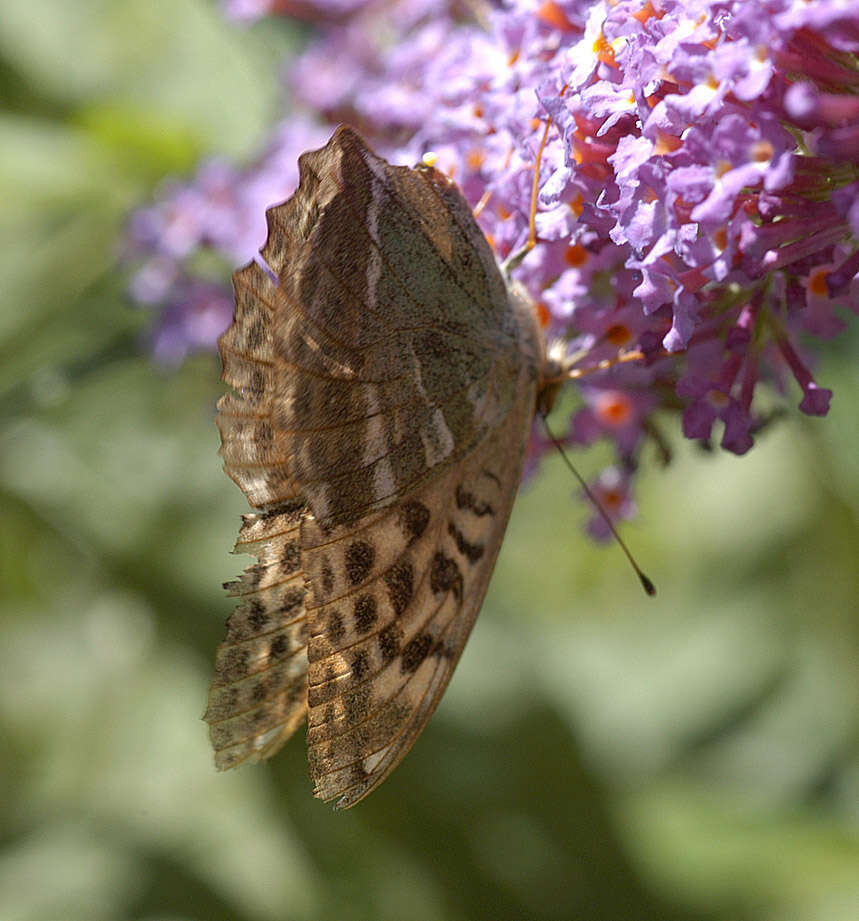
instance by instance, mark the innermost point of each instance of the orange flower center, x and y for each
(613, 408)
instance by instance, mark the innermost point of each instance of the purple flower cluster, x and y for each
(698, 193)
(222, 210)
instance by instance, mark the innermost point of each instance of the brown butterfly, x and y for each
(385, 383)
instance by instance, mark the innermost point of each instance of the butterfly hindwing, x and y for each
(390, 607)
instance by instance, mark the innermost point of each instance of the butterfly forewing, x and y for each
(385, 383)
(385, 351)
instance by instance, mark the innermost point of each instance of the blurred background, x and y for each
(599, 754)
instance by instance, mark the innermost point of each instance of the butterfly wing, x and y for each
(381, 371)
(259, 695)
(391, 605)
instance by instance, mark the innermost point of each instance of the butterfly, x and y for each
(384, 384)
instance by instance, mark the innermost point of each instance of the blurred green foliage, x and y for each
(599, 755)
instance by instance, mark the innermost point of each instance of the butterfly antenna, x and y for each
(646, 583)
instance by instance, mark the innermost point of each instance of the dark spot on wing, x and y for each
(389, 642)
(336, 630)
(467, 500)
(292, 598)
(445, 576)
(365, 613)
(327, 578)
(279, 646)
(414, 652)
(472, 552)
(414, 518)
(360, 665)
(291, 557)
(257, 615)
(400, 580)
(360, 557)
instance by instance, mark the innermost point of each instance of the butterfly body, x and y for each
(385, 383)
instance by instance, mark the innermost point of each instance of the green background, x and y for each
(599, 754)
